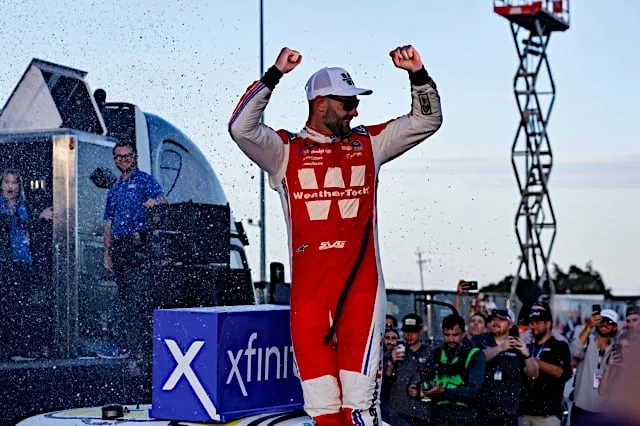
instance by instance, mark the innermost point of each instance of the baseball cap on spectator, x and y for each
(610, 314)
(633, 310)
(541, 305)
(333, 81)
(411, 323)
(540, 315)
(505, 314)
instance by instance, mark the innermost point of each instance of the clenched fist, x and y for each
(406, 58)
(288, 59)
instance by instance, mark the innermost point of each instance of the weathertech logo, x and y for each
(318, 200)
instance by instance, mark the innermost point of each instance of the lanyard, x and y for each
(600, 357)
(533, 345)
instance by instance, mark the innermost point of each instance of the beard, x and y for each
(451, 347)
(539, 334)
(339, 126)
(608, 334)
(124, 170)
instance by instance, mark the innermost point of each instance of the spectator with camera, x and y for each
(390, 341)
(591, 355)
(507, 359)
(453, 382)
(403, 371)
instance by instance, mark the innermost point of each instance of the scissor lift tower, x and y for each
(532, 23)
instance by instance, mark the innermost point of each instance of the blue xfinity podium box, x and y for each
(219, 364)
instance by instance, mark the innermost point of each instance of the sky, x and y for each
(454, 197)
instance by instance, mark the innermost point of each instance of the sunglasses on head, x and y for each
(347, 103)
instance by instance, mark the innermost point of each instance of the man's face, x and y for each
(499, 326)
(124, 159)
(337, 118)
(411, 337)
(476, 325)
(606, 327)
(539, 328)
(632, 321)
(388, 323)
(390, 339)
(453, 337)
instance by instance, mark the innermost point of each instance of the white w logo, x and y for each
(319, 202)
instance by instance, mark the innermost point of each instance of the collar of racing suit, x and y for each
(317, 136)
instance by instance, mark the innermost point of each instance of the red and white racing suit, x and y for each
(328, 191)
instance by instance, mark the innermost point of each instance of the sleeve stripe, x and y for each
(251, 92)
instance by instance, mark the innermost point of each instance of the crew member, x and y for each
(124, 248)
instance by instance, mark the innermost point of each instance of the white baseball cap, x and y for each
(610, 314)
(333, 81)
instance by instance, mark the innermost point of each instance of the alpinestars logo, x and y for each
(318, 201)
(347, 78)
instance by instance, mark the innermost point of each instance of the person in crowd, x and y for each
(454, 379)
(508, 362)
(619, 384)
(408, 361)
(477, 325)
(390, 341)
(390, 322)
(632, 318)
(527, 335)
(591, 354)
(541, 398)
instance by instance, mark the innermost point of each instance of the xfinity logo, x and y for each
(260, 363)
(183, 368)
(318, 200)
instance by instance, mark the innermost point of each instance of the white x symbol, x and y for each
(183, 368)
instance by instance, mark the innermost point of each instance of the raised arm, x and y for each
(259, 142)
(403, 133)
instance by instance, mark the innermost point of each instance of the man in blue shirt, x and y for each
(124, 245)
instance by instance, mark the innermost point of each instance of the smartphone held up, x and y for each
(469, 285)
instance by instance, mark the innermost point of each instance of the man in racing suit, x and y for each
(326, 176)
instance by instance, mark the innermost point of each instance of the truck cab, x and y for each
(59, 135)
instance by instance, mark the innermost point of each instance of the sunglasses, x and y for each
(122, 157)
(348, 104)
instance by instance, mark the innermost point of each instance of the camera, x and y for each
(470, 285)
(424, 385)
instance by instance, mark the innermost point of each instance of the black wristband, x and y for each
(420, 77)
(271, 77)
